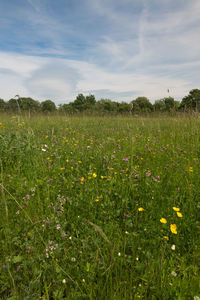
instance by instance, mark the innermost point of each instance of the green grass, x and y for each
(71, 223)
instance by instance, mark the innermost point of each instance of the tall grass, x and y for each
(99, 208)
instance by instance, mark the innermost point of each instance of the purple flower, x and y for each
(121, 171)
(136, 176)
(50, 179)
(148, 174)
(4, 267)
(18, 268)
(63, 234)
(126, 159)
(27, 196)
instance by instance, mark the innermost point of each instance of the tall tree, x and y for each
(192, 101)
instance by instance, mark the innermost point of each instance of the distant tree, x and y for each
(29, 104)
(141, 104)
(169, 103)
(79, 102)
(192, 101)
(105, 105)
(66, 108)
(2, 105)
(90, 100)
(124, 107)
(48, 106)
(159, 105)
(14, 104)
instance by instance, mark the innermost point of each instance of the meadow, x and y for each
(99, 208)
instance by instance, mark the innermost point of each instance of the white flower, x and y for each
(173, 273)
(64, 281)
(196, 298)
(119, 254)
(173, 247)
(73, 259)
(44, 150)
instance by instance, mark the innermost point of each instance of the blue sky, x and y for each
(117, 49)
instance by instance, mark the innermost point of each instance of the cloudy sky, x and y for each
(117, 49)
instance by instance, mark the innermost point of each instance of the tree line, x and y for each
(82, 103)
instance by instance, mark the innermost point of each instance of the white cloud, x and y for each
(61, 80)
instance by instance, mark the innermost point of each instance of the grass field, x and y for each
(99, 208)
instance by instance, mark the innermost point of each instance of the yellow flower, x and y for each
(62, 169)
(94, 175)
(163, 220)
(46, 137)
(173, 228)
(166, 238)
(191, 169)
(179, 214)
(176, 209)
(140, 209)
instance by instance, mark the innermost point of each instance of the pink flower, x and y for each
(27, 196)
(148, 174)
(126, 159)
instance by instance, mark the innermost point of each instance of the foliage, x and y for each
(141, 104)
(89, 105)
(48, 106)
(192, 101)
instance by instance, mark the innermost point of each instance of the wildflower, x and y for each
(73, 259)
(179, 214)
(173, 273)
(94, 175)
(173, 247)
(61, 169)
(119, 254)
(191, 169)
(176, 209)
(63, 234)
(50, 179)
(173, 228)
(27, 196)
(140, 209)
(166, 237)
(46, 137)
(163, 220)
(58, 226)
(18, 268)
(64, 281)
(148, 174)
(126, 159)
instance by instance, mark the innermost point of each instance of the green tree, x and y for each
(29, 104)
(141, 104)
(159, 105)
(48, 106)
(2, 105)
(192, 101)
(169, 103)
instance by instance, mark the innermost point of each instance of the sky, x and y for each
(114, 49)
